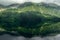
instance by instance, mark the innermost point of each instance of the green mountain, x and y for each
(30, 19)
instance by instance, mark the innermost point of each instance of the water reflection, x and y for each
(9, 37)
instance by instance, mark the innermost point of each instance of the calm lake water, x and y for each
(9, 37)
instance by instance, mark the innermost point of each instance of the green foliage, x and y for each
(30, 20)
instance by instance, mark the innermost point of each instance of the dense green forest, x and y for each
(30, 19)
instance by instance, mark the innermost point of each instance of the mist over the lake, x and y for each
(9, 37)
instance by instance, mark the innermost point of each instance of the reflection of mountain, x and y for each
(30, 19)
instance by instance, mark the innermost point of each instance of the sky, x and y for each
(7, 2)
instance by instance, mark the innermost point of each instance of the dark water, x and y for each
(9, 37)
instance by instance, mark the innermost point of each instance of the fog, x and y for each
(8, 2)
(9, 37)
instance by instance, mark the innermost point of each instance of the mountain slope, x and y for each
(30, 19)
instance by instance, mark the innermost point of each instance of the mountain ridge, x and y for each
(30, 3)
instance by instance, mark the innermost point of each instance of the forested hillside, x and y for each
(30, 19)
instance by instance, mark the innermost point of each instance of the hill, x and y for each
(30, 19)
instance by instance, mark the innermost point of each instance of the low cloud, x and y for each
(7, 2)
